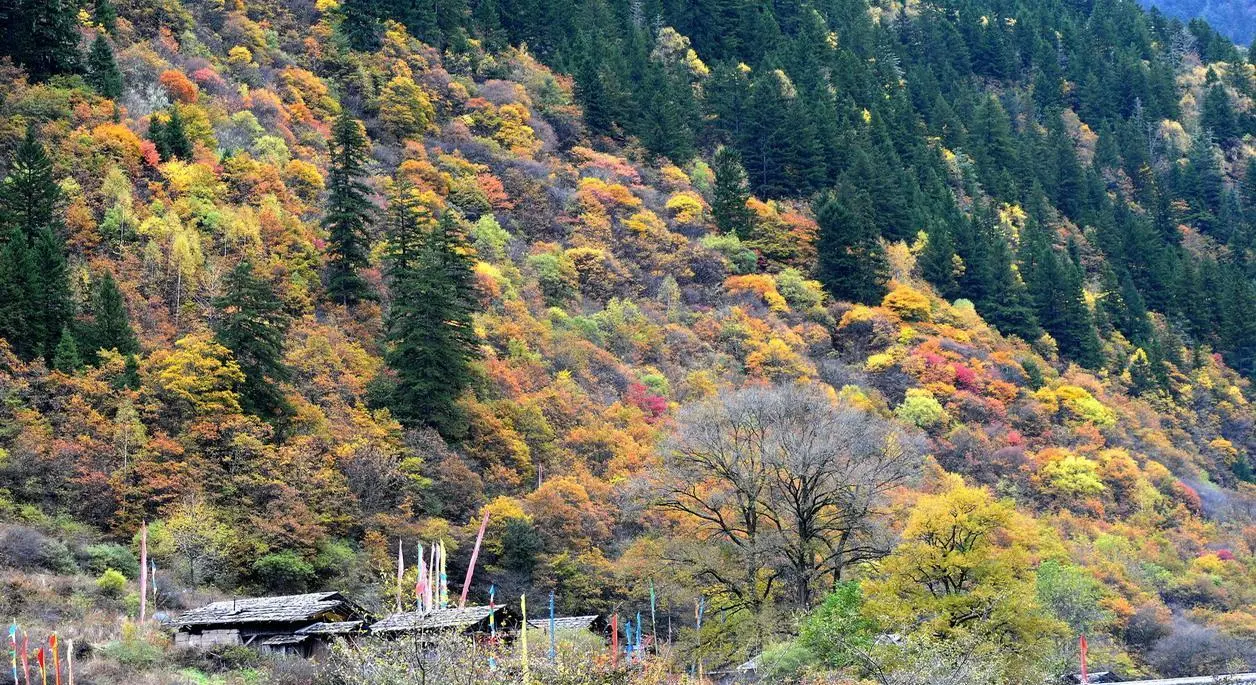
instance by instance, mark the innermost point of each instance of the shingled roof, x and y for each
(285, 609)
(436, 619)
(564, 622)
(338, 628)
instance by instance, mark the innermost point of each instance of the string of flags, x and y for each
(431, 586)
(20, 658)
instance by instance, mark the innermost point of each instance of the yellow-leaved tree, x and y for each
(964, 573)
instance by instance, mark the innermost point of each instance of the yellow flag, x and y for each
(523, 606)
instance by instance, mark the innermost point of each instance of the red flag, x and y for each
(614, 639)
(1085, 676)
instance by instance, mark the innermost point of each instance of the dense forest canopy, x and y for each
(840, 319)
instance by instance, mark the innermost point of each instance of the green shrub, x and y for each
(111, 583)
(283, 572)
(133, 653)
(108, 555)
(742, 260)
(921, 409)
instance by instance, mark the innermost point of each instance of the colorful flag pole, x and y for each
(628, 648)
(492, 611)
(1083, 647)
(401, 569)
(56, 658)
(614, 639)
(475, 554)
(13, 645)
(553, 642)
(432, 579)
(143, 571)
(26, 665)
(523, 606)
(699, 609)
(43, 667)
(421, 580)
(444, 577)
(638, 636)
(654, 626)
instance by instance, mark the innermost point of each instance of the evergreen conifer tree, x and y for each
(65, 357)
(105, 14)
(102, 69)
(30, 196)
(51, 306)
(16, 271)
(178, 145)
(349, 212)
(851, 262)
(1217, 115)
(252, 325)
(41, 35)
(430, 343)
(111, 327)
(729, 196)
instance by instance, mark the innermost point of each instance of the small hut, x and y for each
(592, 623)
(269, 623)
(467, 620)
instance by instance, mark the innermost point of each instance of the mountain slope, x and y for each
(1044, 245)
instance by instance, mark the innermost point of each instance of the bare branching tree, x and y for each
(789, 481)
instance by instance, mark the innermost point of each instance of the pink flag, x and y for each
(475, 554)
(420, 581)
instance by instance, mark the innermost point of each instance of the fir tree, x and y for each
(937, 262)
(730, 194)
(102, 69)
(51, 306)
(66, 357)
(252, 325)
(30, 196)
(16, 271)
(1217, 115)
(110, 328)
(349, 212)
(175, 137)
(105, 14)
(851, 262)
(41, 35)
(430, 343)
(1055, 286)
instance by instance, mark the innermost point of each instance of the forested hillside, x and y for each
(837, 320)
(1235, 19)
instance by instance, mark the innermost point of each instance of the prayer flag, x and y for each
(401, 569)
(523, 607)
(475, 554)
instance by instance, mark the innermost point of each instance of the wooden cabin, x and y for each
(593, 623)
(467, 620)
(270, 623)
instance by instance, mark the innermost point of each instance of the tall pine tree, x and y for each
(851, 262)
(729, 196)
(30, 196)
(349, 212)
(102, 69)
(430, 343)
(252, 325)
(110, 328)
